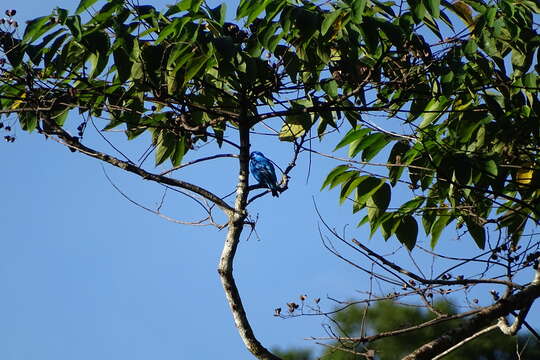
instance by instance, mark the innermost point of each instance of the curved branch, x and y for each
(73, 143)
(482, 320)
(225, 267)
(203, 222)
(430, 281)
(461, 343)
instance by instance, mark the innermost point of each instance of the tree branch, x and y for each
(477, 323)
(461, 343)
(73, 143)
(236, 224)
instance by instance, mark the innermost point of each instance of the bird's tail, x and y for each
(274, 191)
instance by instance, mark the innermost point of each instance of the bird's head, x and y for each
(256, 154)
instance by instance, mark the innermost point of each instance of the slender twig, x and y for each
(463, 342)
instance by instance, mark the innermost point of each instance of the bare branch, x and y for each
(478, 322)
(204, 222)
(74, 143)
(461, 343)
(436, 281)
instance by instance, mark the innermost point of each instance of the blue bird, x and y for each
(263, 170)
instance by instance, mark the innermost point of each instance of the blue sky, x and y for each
(85, 274)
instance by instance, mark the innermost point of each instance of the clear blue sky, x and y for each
(85, 274)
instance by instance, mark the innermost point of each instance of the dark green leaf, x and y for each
(358, 7)
(418, 8)
(433, 6)
(407, 231)
(353, 135)
(330, 87)
(477, 232)
(83, 5)
(411, 205)
(397, 156)
(370, 33)
(368, 187)
(333, 174)
(372, 150)
(28, 120)
(74, 25)
(36, 28)
(348, 187)
(490, 167)
(470, 48)
(179, 152)
(389, 224)
(438, 227)
(364, 142)
(434, 110)
(381, 198)
(329, 20)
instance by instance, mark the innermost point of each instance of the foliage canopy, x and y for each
(456, 82)
(459, 78)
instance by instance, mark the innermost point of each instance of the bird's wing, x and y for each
(268, 170)
(263, 171)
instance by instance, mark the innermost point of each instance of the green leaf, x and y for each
(60, 118)
(358, 7)
(490, 16)
(333, 174)
(254, 9)
(195, 65)
(372, 150)
(367, 188)
(365, 142)
(411, 205)
(407, 231)
(189, 5)
(165, 146)
(219, 13)
(490, 167)
(175, 27)
(389, 224)
(53, 50)
(349, 187)
(353, 135)
(289, 132)
(438, 227)
(330, 87)
(397, 156)
(364, 221)
(433, 6)
(329, 20)
(295, 126)
(36, 28)
(418, 8)
(529, 81)
(477, 232)
(28, 120)
(343, 178)
(434, 110)
(470, 48)
(179, 152)
(83, 5)
(381, 198)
